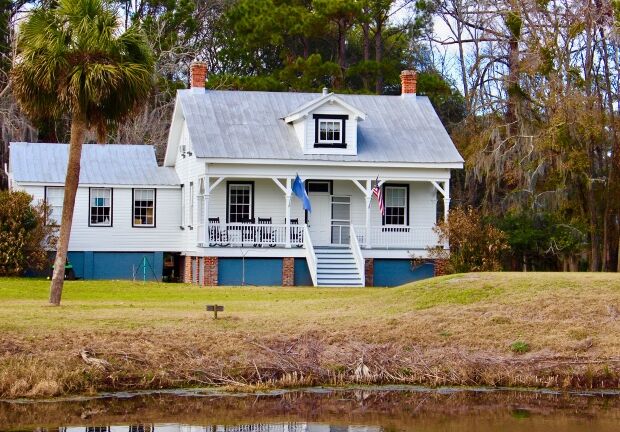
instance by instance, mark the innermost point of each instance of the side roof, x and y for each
(105, 164)
(250, 125)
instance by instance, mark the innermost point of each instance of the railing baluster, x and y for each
(380, 237)
(397, 237)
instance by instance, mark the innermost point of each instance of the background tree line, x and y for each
(528, 90)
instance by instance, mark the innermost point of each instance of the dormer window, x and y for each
(329, 131)
(326, 125)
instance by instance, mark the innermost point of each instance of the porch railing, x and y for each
(357, 255)
(253, 235)
(310, 255)
(396, 237)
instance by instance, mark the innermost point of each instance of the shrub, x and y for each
(475, 244)
(24, 238)
(543, 240)
(520, 347)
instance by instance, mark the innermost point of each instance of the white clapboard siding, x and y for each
(422, 206)
(268, 197)
(189, 169)
(121, 236)
(269, 202)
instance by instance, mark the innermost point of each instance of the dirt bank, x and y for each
(540, 330)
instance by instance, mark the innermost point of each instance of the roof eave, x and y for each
(305, 109)
(99, 185)
(174, 134)
(295, 162)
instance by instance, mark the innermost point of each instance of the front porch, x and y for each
(262, 213)
(259, 218)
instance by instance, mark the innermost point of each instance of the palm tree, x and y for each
(73, 59)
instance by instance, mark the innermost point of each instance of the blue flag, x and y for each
(299, 190)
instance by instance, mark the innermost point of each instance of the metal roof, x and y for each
(250, 125)
(110, 164)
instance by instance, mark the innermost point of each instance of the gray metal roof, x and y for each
(249, 125)
(101, 164)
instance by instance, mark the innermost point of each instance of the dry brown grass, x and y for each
(452, 330)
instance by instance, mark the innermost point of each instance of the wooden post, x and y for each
(215, 309)
(287, 200)
(205, 212)
(368, 203)
(446, 200)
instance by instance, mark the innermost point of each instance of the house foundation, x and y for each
(440, 267)
(210, 271)
(369, 271)
(288, 271)
(291, 271)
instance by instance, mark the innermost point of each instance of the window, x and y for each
(100, 207)
(54, 197)
(140, 428)
(323, 186)
(396, 205)
(329, 131)
(240, 202)
(144, 208)
(190, 219)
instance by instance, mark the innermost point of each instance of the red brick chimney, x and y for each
(409, 82)
(197, 74)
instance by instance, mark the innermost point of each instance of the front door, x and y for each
(319, 219)
(340, 219)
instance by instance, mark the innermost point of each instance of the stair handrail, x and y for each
(357, 255)
(310, 255)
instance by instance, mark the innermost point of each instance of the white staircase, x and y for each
(336, 266)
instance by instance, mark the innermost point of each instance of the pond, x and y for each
(322, 410)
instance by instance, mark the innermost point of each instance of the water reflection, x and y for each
(274, 427)
(360, 410)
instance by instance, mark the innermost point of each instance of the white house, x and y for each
(221, 210)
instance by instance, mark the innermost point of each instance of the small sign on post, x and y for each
(215, 309)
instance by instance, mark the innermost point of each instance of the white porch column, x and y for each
(445, 191)
(446, 200)
(205, 212)
(287, 200)
(368, 197)
(367, 191)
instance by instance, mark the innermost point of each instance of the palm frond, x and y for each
(74, 57)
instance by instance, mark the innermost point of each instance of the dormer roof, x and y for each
(312, 105)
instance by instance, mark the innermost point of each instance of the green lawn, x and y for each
(160, 335)
(123, 304)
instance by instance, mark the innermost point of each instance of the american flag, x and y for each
(377, 191)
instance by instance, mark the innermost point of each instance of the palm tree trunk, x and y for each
(102, 132)
(78, 130)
